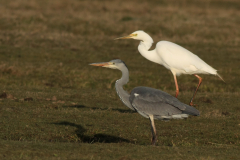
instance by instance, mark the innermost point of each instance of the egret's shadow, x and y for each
(97, 108)
(124, 110)
(75, 106)
(100, 138)
(119, 110)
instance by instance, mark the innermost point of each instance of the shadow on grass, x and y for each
(100, 138)
(75, 106)
(124, 110)
(97, 108)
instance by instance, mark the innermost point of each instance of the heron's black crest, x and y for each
(118, 61)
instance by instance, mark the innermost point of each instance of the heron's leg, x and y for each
(176, 84)
(154, 133)
(200, 81)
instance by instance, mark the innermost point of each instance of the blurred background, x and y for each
(60, 38)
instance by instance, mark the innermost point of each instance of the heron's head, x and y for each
(138, 35)
(114, 64)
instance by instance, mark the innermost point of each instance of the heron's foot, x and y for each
(154, 141)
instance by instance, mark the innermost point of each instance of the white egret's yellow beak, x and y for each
(101, 64)
(127, 37)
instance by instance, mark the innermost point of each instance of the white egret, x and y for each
(172, 56)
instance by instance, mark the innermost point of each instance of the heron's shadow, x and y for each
(100, 138)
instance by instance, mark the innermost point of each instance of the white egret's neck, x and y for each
(144, 47)
(146, 41)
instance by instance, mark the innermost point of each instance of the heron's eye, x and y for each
(135, 34)
(113, 63)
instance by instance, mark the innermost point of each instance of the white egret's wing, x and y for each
(179, 58)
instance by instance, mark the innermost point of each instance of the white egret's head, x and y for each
(138, 35)
(113, 64)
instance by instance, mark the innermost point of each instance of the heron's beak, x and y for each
(126, 37)
(100, 64)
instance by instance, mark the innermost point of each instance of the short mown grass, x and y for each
(53, 105)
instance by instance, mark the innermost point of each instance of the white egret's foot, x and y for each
(176, 95)
(200, 82)
(192, 104)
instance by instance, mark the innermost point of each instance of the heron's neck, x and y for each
(123, 95)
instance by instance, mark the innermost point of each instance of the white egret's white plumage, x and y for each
(172, 56)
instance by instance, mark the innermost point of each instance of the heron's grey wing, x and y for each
(159, 102)
(159, 110)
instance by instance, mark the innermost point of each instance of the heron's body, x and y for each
(150, 103)
(172, 56)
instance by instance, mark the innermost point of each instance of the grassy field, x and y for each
(53, 105)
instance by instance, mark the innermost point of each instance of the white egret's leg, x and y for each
(154, 133)
(200, 81)
(176, 84)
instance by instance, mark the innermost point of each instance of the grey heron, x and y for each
(174, 57)
(149, 102)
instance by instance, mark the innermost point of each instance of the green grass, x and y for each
(53, 105)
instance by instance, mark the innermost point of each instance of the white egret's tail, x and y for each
(220, 77)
